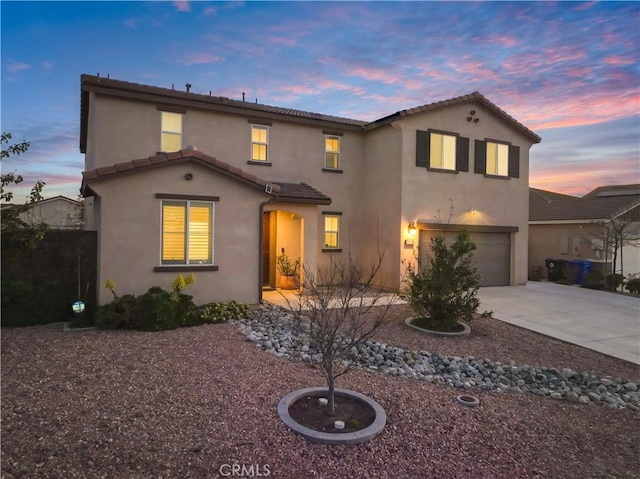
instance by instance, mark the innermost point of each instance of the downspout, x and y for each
(260, 238)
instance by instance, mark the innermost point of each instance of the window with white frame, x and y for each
(497, 159)
(332, 152)
(171, 132)
(331, 231)
(187, 232)
(259, 142)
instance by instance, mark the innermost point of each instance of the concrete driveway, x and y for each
(605, 322)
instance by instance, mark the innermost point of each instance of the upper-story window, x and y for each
(171, 137)
(442, 151)
(332, 152)
(259, 143)
(497, 159)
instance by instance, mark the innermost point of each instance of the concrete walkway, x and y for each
(605, 322)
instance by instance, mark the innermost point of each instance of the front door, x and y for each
(266, 248)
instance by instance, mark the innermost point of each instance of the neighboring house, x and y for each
(570, 228)
(58, 212)
(179, 182)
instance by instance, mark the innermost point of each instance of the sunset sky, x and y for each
(570, 71)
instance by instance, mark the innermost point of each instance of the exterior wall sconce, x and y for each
(411, 233)
(472, 211)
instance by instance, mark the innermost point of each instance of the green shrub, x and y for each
(612, 281)
(593, 280)
(445, 288)
(633, 285)
(221, 312)
(158, 309)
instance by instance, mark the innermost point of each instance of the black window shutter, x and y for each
(462, 154)
(514, 161)
(422, 148)
(481, 157)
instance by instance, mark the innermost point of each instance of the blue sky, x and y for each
(570, 71)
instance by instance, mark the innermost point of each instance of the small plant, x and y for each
(222, 312)
(287, 267)
(613, 281)
(445, 289)
(487, 314)
(633, 284)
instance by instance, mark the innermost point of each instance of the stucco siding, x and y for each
(429, 195)
(130, 233)
(380, 198)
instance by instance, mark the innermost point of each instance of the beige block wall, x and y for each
(130, 238)
(429, 195)
(57, 213)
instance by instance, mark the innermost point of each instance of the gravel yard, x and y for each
(201, 402)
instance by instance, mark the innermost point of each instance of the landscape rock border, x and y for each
(356, 437)
(278, 332)
(466, 331)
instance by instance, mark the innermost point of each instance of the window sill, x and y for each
(497, 177)
(261, 163)
(185, 267)
(332, 250)
(331, 170)
(442, 170)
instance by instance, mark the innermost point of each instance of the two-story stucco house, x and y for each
(178, 182)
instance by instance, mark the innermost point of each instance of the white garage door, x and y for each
(492, 258)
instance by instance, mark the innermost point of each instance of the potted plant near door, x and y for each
(289, 270)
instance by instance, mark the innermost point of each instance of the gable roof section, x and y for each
(473, 97)
(119, 88)
(286, 192)
(300, 193)
(613, 190)
(163, 159)
(546, 206)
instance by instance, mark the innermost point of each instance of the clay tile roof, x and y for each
(172, 96)
(549, 206)
(88, 177)
(472, 97)
(300, 193)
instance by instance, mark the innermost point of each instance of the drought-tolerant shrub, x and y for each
(633, 285)
(158, 309)
(221, 312)
(593, 280)
(444, 290)
(612, 281)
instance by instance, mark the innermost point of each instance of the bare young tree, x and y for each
(617, 232)
(340, 306)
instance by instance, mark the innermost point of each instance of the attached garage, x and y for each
(492, 258)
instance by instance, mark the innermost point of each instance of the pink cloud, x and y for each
(283, 41)
(503, 40)
(131, 22)
(182, 5)
(618, 60)
(584, 6)
(201, 58)
(15, 67)
(209, 11)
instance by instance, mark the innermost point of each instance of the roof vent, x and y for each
(188, 87)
